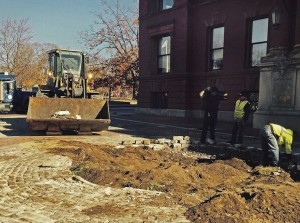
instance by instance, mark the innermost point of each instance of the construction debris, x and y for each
(65, 115)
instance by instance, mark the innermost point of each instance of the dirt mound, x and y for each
(219, 191)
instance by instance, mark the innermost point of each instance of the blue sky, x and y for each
(55, 21)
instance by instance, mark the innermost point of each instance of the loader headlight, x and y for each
(9, 97)
(90, 75)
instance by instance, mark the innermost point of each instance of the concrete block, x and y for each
(161, 141)
(153, 141)
(177, 138)
(146, 142)
(184, 141)
(127, 142)
(138, 142)
(168, 142)
(158, 147)
(176, 146)
(186, 138)
(150, 146)
(185, 145)
(178, 150)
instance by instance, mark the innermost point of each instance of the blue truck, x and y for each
(7, 90)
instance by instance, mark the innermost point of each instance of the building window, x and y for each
(259, 38)
(166, 4)
(217, 48)
(164, 55)
(159, 100)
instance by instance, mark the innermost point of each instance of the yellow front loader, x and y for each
(64, 104)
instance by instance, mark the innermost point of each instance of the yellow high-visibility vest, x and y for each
(239, 109)
(285, 136)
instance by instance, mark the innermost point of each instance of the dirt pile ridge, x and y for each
(212, 190)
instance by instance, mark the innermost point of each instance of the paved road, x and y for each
(160, 126)
(151, 126)
(126, 121)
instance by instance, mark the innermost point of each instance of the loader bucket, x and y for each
(56, 115)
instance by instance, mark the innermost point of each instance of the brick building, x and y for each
(186, 45)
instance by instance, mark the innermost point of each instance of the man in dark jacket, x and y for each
(212, 98)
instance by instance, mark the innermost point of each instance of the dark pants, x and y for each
(238, 130)
(210, 121)
(270, 149)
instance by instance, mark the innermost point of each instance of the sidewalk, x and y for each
(193, 126)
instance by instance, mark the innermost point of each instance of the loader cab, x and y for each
(67, 73)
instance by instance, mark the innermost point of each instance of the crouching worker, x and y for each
(273, 138)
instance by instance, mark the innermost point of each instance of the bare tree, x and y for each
(14, 39)
(113, 41)
(28, 61)
(37, 64)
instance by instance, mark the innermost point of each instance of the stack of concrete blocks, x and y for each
(178, 143)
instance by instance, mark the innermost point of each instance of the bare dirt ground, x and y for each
(46, 179)
(211, 190)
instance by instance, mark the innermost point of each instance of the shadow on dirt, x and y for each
(251, 156)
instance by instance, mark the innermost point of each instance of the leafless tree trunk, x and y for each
(113, 41)
(14, 38)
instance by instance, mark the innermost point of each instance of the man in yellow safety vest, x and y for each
(273, 138)
(240, 117)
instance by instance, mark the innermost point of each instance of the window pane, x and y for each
(164, 45)
(164, 64)
(218, 54)
(258, 51)
(167, 4)
(217, 59)
(218, 38)
(260, 30)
